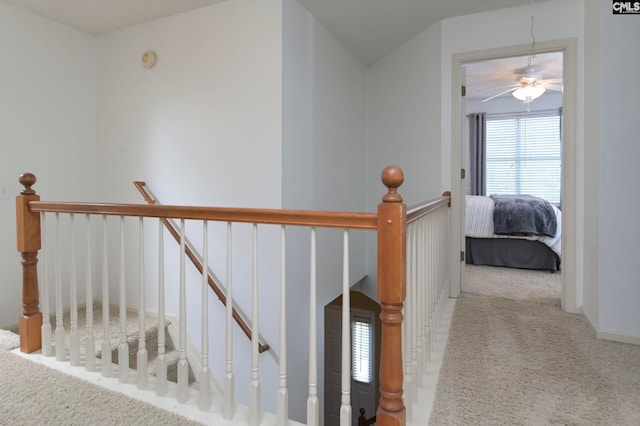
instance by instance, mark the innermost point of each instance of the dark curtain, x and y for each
(477, 152)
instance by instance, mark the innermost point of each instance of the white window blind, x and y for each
(361, 346)
(524, 155)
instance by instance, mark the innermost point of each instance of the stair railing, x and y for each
(197, 260)
(398, 234)
(427, 280)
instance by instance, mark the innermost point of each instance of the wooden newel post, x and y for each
(392, 235)
(28, 226)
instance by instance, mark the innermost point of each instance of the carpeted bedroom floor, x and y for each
(513, 284)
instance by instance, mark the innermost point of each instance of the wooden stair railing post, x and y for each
(392, 242)
(29, 242)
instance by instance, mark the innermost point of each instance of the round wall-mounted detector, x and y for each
(148, 59)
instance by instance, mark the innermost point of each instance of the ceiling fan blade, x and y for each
(499, 94)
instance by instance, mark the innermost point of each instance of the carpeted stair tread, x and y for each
(151, 339)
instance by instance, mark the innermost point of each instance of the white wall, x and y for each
(202, 127)
(204, 123)
(404, 126)
(404, 118)
(47, 126)
(619, 198)
(324, 168)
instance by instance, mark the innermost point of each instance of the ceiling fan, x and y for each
(529, 84)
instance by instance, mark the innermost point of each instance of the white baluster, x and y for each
(445, 251)
(90, 341)
(415, 303)
(255, 409)
(161, 360)
(283, 395)
(407, 326)
(142, 356)
(428, 293)
(345, 406)
(60, 350)
(313, 406)
(420, 305)
(433, 284)
(183, 366)
(47, 350)
(123, 348)
(442, 244)
(229, 407)
(439, 248)
(447, 270)
(204, 396)
(74, 336)
(437, 257)
(106, 321)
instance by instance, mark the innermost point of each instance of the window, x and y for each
(361, 345)
(524, 155)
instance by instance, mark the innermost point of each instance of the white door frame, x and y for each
(569, 76)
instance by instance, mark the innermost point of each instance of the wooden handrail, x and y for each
(416, 211)
(311, 218)
(196, 260)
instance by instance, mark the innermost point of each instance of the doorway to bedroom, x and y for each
(511, 144)
(513, 149)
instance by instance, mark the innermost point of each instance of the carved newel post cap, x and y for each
(27, 180)
(392, 178)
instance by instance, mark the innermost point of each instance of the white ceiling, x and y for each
(103, 16)
(370, 29)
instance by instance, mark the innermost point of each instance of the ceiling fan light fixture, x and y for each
(528, 93)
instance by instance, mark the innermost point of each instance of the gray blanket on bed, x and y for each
(523, 215)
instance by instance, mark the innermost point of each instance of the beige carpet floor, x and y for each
(525, 362)
(33, 394)
(513, 284)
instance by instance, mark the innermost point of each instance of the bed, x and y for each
(526, 232)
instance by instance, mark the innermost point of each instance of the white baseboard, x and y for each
(612, 335)
(618, 336)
